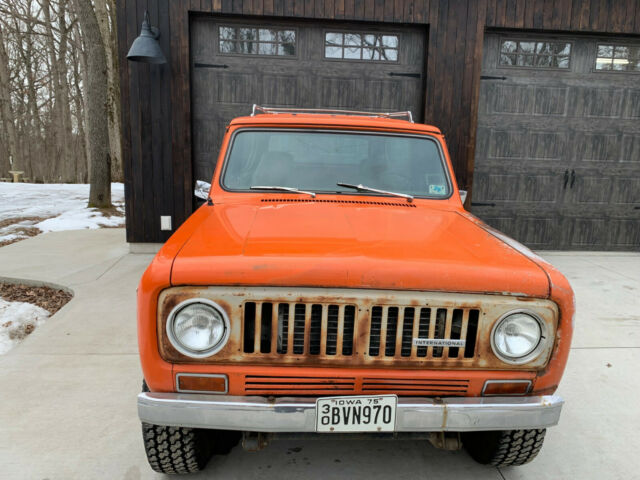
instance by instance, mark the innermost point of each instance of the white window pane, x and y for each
(227, 47)
(509, 47)
(371, 54)
(333, 52)
(391, 54)
(508, 59)
(248, 34)
(267, 49)
(527, 47)
(250, 48)
(333, 38)
(352, 39)
(525, 60)
(603, 63)
(287, 36)
(390, 41)
(543, 61)
(267, 35)
(227, 33)
(369, 40)
(352, 52)
(621, 52)
(288, 49)
(605, 51)
(543, 47)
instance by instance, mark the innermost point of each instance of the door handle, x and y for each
(566, 179)
(573, 178)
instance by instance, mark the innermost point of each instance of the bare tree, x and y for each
(96, 105)
(59, 92)
(6, 108)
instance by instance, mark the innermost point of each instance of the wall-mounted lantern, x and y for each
(145, 48)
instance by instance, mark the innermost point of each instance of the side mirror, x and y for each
(463, 195)
(202, 190)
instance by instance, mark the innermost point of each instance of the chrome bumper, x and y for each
(293, 414)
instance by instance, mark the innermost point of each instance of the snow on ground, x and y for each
(17, 320)
(27, 209)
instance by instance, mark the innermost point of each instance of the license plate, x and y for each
(364, 413)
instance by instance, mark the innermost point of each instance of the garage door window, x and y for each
(622, 58)
(257, 41)
(526, 53)
(377, 47)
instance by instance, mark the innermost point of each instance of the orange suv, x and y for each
(333, 284)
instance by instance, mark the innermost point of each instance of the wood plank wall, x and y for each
(156, 99)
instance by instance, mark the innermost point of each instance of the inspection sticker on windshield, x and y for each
(438, 342)
(436, 190)
(362, 413)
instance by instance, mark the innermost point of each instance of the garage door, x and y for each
(235, 64)
(558, 147)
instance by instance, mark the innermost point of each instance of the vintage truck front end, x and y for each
(275, 313)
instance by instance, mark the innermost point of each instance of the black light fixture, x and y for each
(145, 48)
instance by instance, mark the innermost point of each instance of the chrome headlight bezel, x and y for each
(535, 353)
(175, 342)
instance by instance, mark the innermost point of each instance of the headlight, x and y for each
(198, 328)
(518, 337)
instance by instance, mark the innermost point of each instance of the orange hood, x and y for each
(396, 246)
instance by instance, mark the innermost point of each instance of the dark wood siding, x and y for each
(156, 99)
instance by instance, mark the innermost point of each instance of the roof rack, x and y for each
(257, 110)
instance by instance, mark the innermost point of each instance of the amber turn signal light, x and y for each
(506, 387)
(196, 383)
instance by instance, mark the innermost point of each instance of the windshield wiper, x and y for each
(364, 188)
(282, 189)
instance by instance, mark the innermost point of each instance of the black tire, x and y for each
(504, 448)
(181, 449)
(175, 449)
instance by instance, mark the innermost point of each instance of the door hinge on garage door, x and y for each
(399, 74)
(210, 65)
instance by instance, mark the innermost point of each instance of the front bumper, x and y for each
(295, 414)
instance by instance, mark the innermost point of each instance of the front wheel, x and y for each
(175, 449)
(504, 448)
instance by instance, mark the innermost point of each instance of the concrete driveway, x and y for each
(67, 394)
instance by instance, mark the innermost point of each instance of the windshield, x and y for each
(318, 161)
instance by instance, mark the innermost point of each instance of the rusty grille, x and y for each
(313, 385)
(299, 328)
(392, 330)
(354, 328)
(297, 384)
(328, 330)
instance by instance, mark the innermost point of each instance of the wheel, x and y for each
(176, 449)
(182, 449)
(504, 448)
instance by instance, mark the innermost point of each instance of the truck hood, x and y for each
(386, 246)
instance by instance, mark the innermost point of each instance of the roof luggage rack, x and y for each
(258, 110)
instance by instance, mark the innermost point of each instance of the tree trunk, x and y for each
(105, 13)
(78, 79)
(96, 105)
(6, 111)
